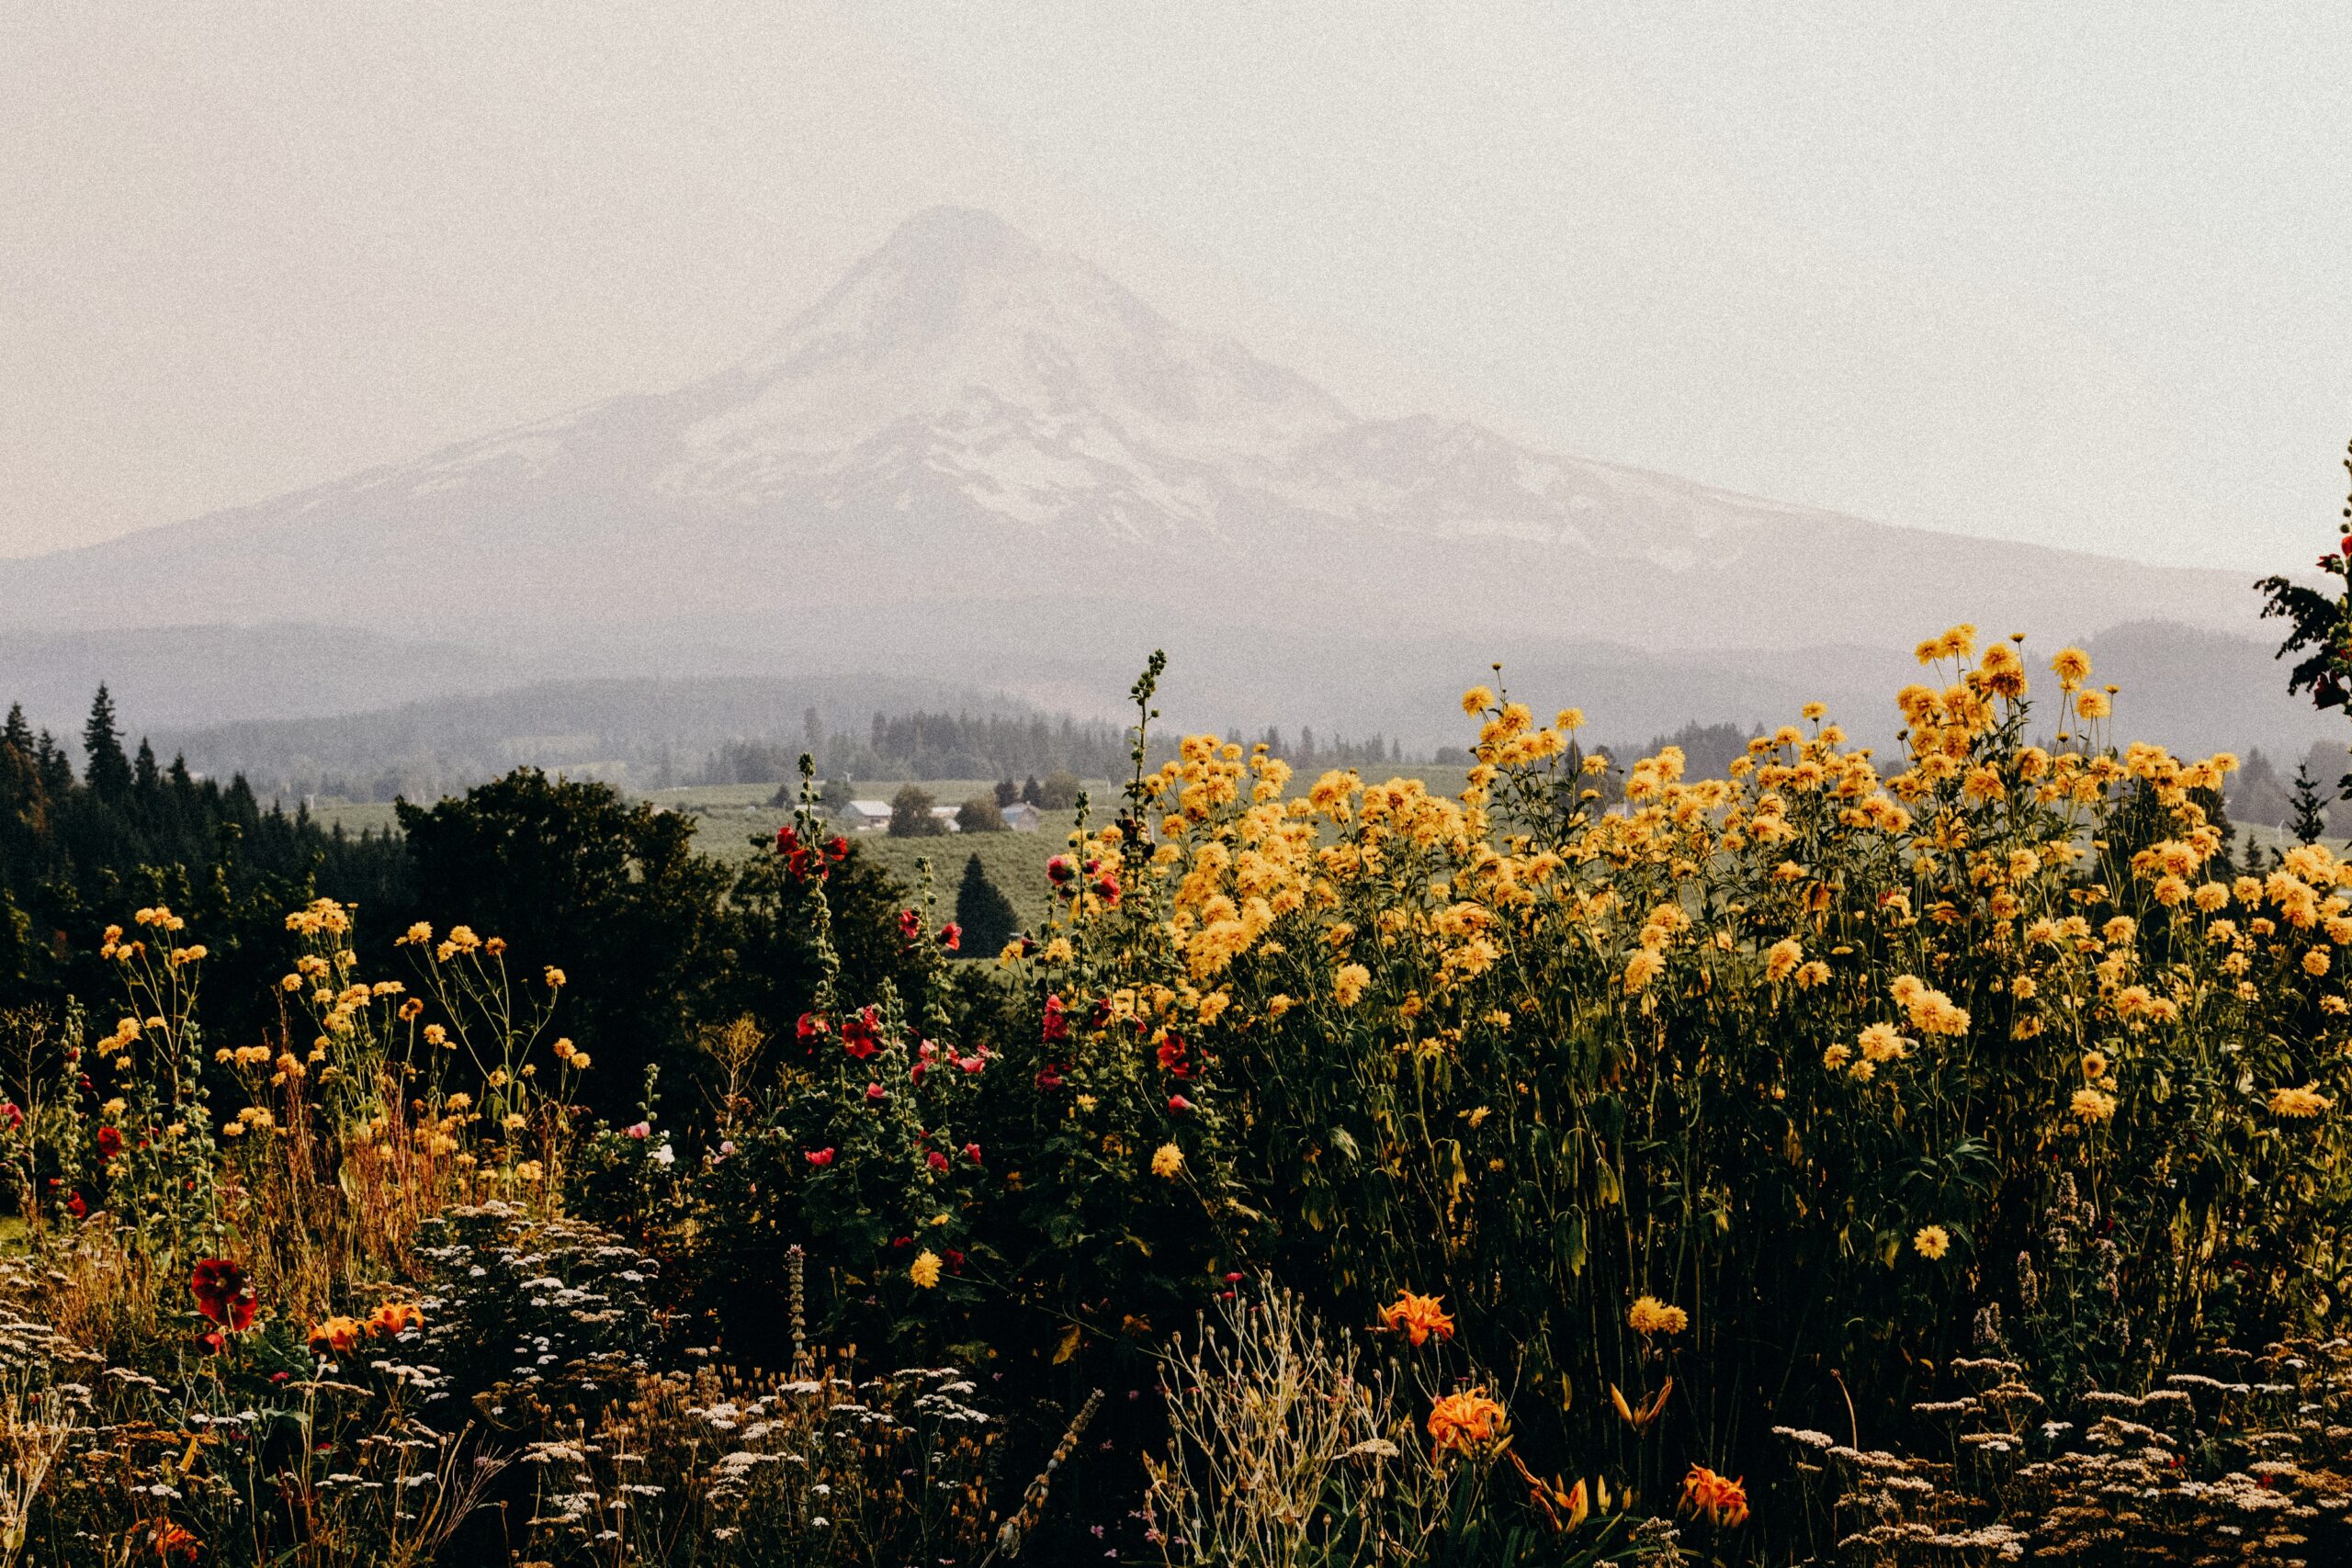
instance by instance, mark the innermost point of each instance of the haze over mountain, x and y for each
(975, 458)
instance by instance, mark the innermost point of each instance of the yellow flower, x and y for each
(2091, 1105)
(1477, 700)
(2092, 705)
(1781, 960)
(554, 977)
(1644, 968)
(1347, 985)
(1880, 1043)
(924, 1271)
(2315, 962)
(2298, 1104)
(2071, 666)
(1166, 1160)
(1931, 1242)
(2095, 1064)
(1651, 1315)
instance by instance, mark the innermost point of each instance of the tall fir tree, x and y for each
(105, 768)
(2309, 822)
(984, 912)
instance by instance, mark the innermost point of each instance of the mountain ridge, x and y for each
(966, 415)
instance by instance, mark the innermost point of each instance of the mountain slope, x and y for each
(967, 423)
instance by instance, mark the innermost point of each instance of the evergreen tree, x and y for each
(984, 912)
(105, 768)
(2309, 823)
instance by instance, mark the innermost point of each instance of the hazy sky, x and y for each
(2079, 274)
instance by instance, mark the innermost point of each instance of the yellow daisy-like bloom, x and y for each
(1931, 1242)
(1651, 1315)
(1781, 959)
(2095, 1064)
(1166, 1160)
(1644, 968)
(2298, 1104)
(2092, 705)
(1880, 1043)
(2315, 962)
(2091, 1105)
(1477, 700)
(1347, 985)
(924, 1269)
(2071, 666)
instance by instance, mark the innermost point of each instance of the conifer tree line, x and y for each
(80, 848)
(963, 746)
(615, 893)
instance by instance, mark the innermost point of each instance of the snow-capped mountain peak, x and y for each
(966, 414)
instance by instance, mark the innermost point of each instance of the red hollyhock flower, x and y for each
(12, 1116)
(75, 1206)
(1172, 1055)
(972, 1153)
(936, 1160)
(1059, 870)
(1178, 1104)
(223, 1294)
(820, 1157)
(1051, 1078)
(1057, 1021)
(910, 924)
(951, 936)
(860, 1032)
(837, 847)
(810, 1026)
(109, 1143)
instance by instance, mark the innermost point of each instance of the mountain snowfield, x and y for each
(973, 452)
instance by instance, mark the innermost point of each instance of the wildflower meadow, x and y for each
(1933, 1157)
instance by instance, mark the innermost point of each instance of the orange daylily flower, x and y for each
(1418, 1317)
